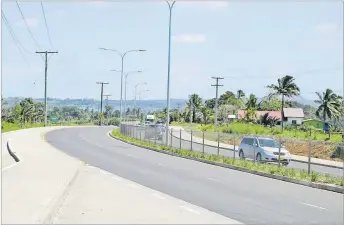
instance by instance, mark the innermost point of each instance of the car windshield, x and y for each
(268, 143)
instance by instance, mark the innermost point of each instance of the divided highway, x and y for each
(244, 197)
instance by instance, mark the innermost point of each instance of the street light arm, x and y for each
(113, 50)
(171, 5)
(133, 50)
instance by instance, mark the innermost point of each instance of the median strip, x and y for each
(314, 179)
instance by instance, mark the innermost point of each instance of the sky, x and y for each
(250, 44)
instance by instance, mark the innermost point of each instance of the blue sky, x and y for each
(250, 44)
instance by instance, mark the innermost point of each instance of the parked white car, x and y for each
(263, 149)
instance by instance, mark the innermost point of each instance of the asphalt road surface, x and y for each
(229, 153)
(247, 198)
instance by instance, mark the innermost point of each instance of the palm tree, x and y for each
(194, 104)
(330, 105)
(240, 94)
(252, 102)
(286, 88)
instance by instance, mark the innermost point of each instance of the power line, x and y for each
(15, 39)
(27, 26)
(46, 25)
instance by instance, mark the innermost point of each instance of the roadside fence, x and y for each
(310, 155)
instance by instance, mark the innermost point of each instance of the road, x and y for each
(229, 153)
(244, 197)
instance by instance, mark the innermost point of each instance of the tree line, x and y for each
(330, 105)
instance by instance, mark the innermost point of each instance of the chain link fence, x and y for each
(309, 155)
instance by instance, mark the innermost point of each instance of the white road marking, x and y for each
(134, 186)
(132, 156)
(160, 164)
(8, 167)
(213, 179)
(190, 210)
(104, 172)
(158, 196)
(117, 178)
(315, 206)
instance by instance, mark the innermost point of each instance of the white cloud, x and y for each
(31, 22)
(99, 3)
(212, 5)
(189, 38)
(326, 28)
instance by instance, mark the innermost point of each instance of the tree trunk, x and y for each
(282, 115)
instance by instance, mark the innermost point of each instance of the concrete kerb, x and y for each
(294, 160)
(9, 149)
(326, 187)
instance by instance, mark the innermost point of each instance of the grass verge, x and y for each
(259, 167)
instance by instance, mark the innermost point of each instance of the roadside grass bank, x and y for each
(296, 145)
(256, 129)
(6, 127)
(301, 175)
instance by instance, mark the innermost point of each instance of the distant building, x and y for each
(316, 123)
(292, 116)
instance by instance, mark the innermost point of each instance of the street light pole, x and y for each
(170, 6)
(136, 91)
(122, 55)
(125, 89)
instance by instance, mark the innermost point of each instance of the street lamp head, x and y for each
(142, 50)
(103, 48)
(139, 71)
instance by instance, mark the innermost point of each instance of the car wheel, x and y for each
(258, 157)
(241, 154)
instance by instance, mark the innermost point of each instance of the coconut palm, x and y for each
(252, 102)
(240, 94)
(330, 105)
(286, 87)
(194, 104)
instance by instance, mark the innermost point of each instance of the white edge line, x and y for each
(158, 196)
(189, 209)
(8, 167)
(315, 206)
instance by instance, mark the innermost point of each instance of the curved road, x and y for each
(244, 197)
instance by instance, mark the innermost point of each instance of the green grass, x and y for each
(262, 167)
(16, 126)
(244, 128)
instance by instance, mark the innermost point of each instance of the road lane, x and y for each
(241, 196)
(186, 144)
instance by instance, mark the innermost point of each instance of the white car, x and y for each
(263, 149)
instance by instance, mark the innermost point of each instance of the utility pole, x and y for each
(101, 101)
(217, 85)
(45, 85)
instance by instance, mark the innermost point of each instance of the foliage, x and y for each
(261, 167)
(286, 87)
(273, 104)
(329, 105)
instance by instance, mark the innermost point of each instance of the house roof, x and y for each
(293, 112)
(277, 114)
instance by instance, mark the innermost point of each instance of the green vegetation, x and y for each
(261, 167)
(28, 113)
(257, 129)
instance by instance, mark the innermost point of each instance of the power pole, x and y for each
(45, 85)
(217, 85)
(101, 101)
